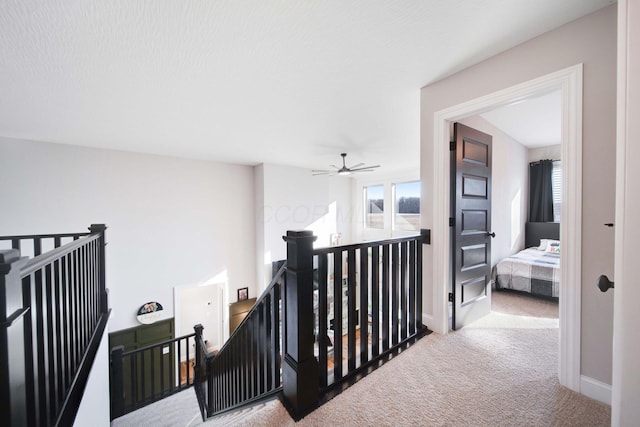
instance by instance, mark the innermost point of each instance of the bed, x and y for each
(536, 269)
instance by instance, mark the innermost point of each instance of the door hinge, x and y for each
(452, 146)
(450, 296)
(452, 222)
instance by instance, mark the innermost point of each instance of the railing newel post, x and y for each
(100, 228)
(198, 368)
(117, 386)
(13, 404)
(301, 370)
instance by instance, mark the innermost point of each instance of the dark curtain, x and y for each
(540, 191)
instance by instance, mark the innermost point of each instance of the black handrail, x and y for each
(37, 240)
(248, 366)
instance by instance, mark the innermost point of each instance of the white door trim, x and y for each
(569, 81)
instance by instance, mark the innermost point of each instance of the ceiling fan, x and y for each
(344, 170)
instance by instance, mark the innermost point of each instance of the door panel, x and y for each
(474, 186)
(474, 221)
(471, 207)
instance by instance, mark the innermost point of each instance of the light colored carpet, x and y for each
(489, 374)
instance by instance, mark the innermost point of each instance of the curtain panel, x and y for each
(540, 191)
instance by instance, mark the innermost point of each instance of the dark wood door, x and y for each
(471, 234)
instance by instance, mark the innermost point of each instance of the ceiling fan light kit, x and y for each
(344, 170)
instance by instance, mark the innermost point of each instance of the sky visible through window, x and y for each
(408, 189)
(407, 206)
(374, 213)
(375, 192)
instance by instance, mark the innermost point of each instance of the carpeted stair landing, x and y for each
(500, 371)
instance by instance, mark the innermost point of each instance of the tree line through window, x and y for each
(405, 203)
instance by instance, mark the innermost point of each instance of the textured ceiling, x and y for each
(287, 81)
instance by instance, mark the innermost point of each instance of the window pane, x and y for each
(374, 206)
(556, 186)
(407, 206)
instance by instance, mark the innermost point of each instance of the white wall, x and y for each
(591, 41)
(293, 199)
(509, 190)
(202, 305)
(171, 222)
(95, 408)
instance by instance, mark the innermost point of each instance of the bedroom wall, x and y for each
(293, 199)
(509, 192)
(552, 152)
(591, 41)
(171, 222)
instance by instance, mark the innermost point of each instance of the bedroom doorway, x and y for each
(569, 82)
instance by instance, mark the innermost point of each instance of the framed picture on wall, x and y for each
(243, 294)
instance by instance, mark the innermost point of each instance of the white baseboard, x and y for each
(427, 320)
(595, 389)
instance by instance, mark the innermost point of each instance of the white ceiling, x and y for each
(279, 81)
(535, 122)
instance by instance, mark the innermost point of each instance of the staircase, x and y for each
(327, 318)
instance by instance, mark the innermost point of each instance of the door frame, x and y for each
(569, 81)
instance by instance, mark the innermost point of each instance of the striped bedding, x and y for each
(531, 270)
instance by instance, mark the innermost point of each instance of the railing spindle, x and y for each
(337, 315)
(364, 306)
(404, 308)
(394, 294)
(322, 318)
(268, 344)
(375, 301)
(40, 347)
(385, 297)
(351, 313)
(51, 333)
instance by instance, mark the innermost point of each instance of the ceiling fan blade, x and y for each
(356, 166)
(365, 169)
(322, 172)
(334, 166)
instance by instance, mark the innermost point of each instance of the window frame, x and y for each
(366, 204)
(395, 208)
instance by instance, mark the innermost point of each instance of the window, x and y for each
(374, 206)
(406, 202)
(556, 187)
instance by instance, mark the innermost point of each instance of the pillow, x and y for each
(543, 244)
(553, 246)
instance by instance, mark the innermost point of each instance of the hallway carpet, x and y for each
(499, 371)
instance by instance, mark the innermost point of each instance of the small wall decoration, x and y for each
(150, 312)
(243, 294)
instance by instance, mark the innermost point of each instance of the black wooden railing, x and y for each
(344, 310)
(145, 375)
(247, 368)
(52, 318)
(369, 302)
(374, 286)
